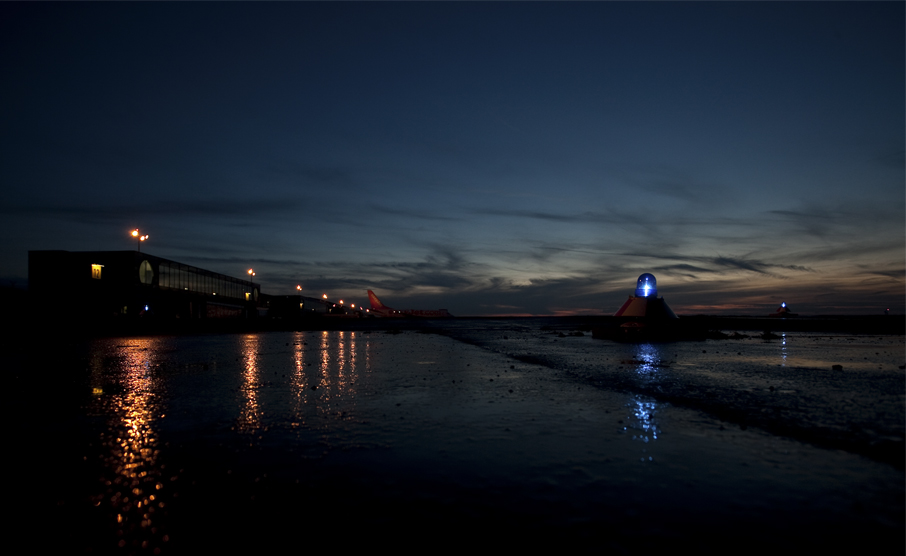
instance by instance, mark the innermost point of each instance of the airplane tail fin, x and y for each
(375, 302)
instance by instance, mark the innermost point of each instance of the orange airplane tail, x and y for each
(375, 302)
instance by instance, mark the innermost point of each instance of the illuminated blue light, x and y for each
(646, 286)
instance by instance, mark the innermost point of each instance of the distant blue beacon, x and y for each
(647, 286)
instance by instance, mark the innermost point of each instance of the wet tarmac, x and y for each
(492, 434)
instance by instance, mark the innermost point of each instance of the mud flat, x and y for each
(503, 436)
(836, 390)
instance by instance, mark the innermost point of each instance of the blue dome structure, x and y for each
(645, 304)
(783, 311)
(646, 286)
(645, 317)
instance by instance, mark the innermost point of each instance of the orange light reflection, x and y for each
(125, 387)
(250, 414)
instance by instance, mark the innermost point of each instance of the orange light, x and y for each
(341, 302)
(299, 288)
(324, 296)
(136, 234)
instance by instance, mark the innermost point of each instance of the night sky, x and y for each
(486, 158)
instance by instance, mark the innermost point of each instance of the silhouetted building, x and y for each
(102, 285)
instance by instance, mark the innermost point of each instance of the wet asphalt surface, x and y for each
(508, 436)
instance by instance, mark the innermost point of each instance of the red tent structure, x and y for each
(645, 304)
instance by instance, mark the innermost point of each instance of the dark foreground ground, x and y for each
(466, 434)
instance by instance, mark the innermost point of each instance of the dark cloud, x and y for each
(683, 269)
(378, 210)
(717, 264)
(896, 274)
(645, 219)
(538, 215)
(213, 207)
(753, 265)
(824, 222)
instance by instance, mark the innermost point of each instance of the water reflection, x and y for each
(126, 389)
(250, 413)
(327, 367)
(783, 349)
(298, 382)
(648, 360)
(648, 364)
(643, 410)
(338, 369)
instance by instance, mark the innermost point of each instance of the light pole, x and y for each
(138, 238)
(251, 294)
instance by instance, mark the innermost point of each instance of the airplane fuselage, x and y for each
(381, 310)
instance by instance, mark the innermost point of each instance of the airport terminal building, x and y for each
(130, 285)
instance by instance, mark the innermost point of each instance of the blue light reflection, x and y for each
(648, 365)
(783, 349)
(643, 412)
(647, 360)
